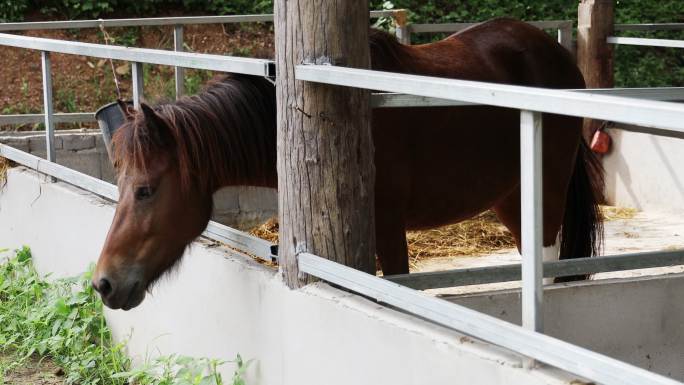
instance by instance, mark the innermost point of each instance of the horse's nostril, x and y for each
(104, 287)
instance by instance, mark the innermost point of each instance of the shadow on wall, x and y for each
(642, 171)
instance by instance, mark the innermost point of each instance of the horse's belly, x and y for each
(455, 163)
(436, 201)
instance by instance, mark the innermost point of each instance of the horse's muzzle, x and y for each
(125, 295)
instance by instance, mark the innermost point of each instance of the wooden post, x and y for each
(325, 151)
(402, 29)
(595, 20)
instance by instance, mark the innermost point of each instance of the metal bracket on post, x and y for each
(137, 74)
(402, 31)
(47, 107)
(531, 219)
(179, 71)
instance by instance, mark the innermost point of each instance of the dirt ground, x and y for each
(83, 84)
(32, 372)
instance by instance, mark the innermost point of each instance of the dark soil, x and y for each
(83, 84)
(32, 372)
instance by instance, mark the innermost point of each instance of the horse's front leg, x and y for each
(390, 232)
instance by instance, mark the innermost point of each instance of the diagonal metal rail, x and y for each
(552, 351)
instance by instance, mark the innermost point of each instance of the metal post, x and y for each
(47, 107)
(531, 218)
(565, 38)
(179, 71)
(137, 75)
(402, 31)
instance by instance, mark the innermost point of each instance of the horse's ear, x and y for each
(125, 109)
(159, 130)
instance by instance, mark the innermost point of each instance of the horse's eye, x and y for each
(143, 192)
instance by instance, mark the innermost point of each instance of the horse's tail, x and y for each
(582, 232)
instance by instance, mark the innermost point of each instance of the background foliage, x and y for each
(635, 66)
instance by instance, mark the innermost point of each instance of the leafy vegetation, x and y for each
(62, 320)
(634, 66)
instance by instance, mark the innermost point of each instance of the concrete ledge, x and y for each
(636, 320)
(219, 303)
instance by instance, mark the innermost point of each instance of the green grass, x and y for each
(62, 320)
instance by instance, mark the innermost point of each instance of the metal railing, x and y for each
(650, 27)
(178, 24)
(667, 43)
(403, 32)
(646, 42)
(531, 101)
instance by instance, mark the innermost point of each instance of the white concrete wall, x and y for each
(645, 171)
(640, 321)
(220, 303)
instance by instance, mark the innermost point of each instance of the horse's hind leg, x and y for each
(508, 212)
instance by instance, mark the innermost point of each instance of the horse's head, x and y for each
(160, 209)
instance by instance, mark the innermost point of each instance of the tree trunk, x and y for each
(595, 20)
(325, 150)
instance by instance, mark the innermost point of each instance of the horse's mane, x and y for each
(387, 53)
(224, 133)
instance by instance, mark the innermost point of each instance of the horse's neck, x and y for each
(256, 180)
(250, 146)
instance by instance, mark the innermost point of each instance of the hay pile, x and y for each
(4, 166)
(480, 235)
(267, 230)
(612, 213)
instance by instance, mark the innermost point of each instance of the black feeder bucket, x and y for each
(110, 118)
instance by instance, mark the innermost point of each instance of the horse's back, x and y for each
(522, 53)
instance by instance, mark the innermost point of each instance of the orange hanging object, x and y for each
(600, 143)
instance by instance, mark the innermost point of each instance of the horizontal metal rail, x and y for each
(651, 131)
(506, 273)
(216, 231)
(69, 117)
(394, 100)
(645, 113)
(650, 27)
(259, 67)
(455, 27)
(653, 93)
(646, 42)
(152, 21)
(552, 351)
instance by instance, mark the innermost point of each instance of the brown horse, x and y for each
(434, 165)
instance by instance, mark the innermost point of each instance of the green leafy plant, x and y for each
(182, 370)
(65, 100)
(62, 320)
(13, 10)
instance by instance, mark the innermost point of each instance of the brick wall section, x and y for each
(84, 151)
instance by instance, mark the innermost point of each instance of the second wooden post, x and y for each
(595, 22)
(325, 150)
